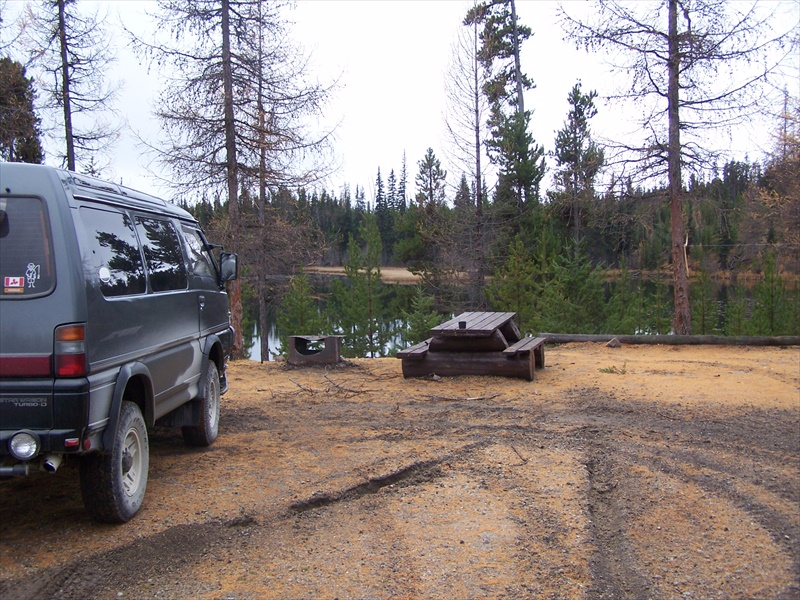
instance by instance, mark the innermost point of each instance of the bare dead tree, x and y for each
(10, 29)
(235, 107)
(193, 48)
(467, 112)
(692, 66)
(71, 52)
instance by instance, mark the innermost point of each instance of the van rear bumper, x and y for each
(55, 411)
(50, 440)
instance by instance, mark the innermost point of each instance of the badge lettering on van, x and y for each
(26, 402)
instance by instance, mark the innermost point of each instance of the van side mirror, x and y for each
(229, 266)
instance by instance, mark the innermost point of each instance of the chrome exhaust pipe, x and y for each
(52, 462)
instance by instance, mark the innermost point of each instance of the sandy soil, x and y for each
(638, 472)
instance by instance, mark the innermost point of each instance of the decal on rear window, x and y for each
(26, 249)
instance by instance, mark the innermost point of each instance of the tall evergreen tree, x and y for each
(420, 319)
(578, 159)
(299, 312)
(19, 123)
(361, 203)
(401, 187)
(383, 215)
(463, 198)
(510, 146)
(391, 191)
(431, 181)
(359, 302)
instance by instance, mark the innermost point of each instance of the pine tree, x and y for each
(19, 123)
(299, 313)
(401, 187)
(391, 192)
(510, 146)
(463, 197)
(359, 303)
(517, 286)
(384, 218)
(573, 299)
(431, 181)
(773, 308)
(578, 160)
(420, 319)
(361, 203)
(705, 312)
(623, 311)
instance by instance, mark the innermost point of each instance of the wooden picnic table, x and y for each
(475, 343)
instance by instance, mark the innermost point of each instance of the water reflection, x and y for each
(723, 295)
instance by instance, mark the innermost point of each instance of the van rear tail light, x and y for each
(70, 351)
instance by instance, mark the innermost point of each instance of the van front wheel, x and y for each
(113, 483)
(205, 432)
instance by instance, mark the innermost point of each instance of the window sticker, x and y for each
(13, 285)
(32, 273)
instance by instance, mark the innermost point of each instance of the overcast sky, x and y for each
(390, 57)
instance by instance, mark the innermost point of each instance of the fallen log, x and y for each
(677, 340)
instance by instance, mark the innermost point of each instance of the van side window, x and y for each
(26, 256)
(199, 258)
(163, 255)
(111, 252)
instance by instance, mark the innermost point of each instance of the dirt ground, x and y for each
(637, 472)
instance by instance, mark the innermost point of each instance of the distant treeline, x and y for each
(612, 279)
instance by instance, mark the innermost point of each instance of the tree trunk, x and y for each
(262, 197)
(235, 289)
(517, 68)
(65, 85)
(682, 321)
(480, 276)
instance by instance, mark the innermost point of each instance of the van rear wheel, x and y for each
(113, 483)
(205, 432)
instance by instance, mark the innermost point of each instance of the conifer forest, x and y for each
(578, 234)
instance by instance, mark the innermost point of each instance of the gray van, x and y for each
(113, 319)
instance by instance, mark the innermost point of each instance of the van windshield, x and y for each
(26, 249)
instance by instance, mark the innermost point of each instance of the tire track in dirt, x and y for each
(614, 565)
(614, 440)
(129, 567)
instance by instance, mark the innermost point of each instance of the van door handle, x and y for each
(202, 301)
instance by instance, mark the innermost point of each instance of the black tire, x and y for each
(113, 483)
(205, 432)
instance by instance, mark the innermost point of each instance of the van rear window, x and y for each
(26, 248)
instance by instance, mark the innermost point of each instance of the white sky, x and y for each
(390, 57)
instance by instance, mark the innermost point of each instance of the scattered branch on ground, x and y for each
(303, 387)
(344, 389)
(458, 399)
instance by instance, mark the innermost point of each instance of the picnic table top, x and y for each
(476, 324)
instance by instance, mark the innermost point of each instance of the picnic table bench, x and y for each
(475, 343)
